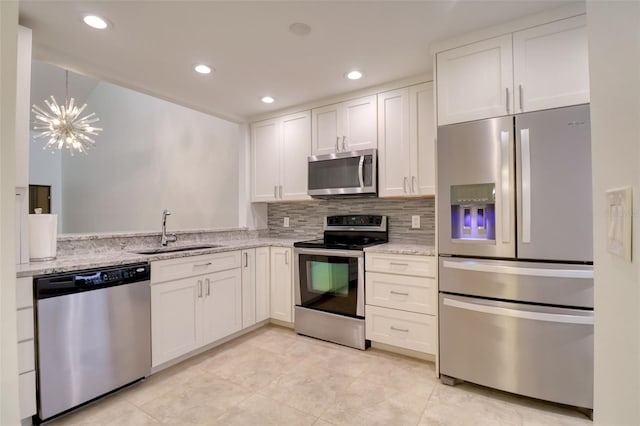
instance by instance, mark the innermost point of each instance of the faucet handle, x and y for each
(166, 212)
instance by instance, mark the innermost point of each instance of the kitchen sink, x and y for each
(176, 249)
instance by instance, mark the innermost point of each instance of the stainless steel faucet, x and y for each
(166, 239)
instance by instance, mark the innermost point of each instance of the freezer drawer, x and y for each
(535, 282)
(536, 351)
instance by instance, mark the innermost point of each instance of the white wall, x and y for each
(9, 410)
(151, 155)
(614, 66)
(45, 168)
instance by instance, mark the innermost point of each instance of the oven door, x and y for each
(330, 280)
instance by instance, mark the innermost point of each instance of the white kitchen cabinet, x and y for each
(406, 132)
(262, 294)
(279, 151)
(248, 287)
(281, 284)
(345, 126)
(551, 65)
(475, 81)
(537, 68)
(221, 305)
(401, 301)
(194, 302)
(175, 318)
(26, 351)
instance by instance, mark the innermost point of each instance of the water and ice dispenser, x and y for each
(473, 212)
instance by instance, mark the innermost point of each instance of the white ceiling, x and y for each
(153, 45)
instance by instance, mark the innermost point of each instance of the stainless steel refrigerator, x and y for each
(516, 254)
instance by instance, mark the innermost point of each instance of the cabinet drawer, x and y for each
(27, 394)
(421, 266)
(403, 329)
(25, 324)
(415, 294)
(25, 356)
(167, 270)
(24, 292)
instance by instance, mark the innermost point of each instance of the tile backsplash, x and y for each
(306, 218)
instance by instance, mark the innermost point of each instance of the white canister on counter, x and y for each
(43, 233)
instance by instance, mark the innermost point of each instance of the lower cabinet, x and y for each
(255, 286)
(282, 284)
(401, 301)
(191, 312)
(26, 354)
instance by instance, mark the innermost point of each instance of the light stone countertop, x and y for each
(400, 248)
(114, 258)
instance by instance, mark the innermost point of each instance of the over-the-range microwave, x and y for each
(344, 173)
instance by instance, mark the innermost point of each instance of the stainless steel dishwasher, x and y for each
(93, 334)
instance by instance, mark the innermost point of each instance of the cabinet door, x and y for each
(394, 153)
(262, 268)
(325, 136)
(222, 305)
(422, 131)
(359, 127)
(551, 65)
(175, 318)
(265, 160)
(248, 287)
(296, 148)
(475, 81)
(281, 284)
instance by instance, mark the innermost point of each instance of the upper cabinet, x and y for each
(538, 68)
(406, 131)
(475, 81)
(551, 65)
(279, 151)
(346, 126)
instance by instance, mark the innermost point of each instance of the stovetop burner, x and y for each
(350, 232)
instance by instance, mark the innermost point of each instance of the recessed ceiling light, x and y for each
(267, 100)
(96, 22)
(202, 69)
(354, 75)
(300, 28)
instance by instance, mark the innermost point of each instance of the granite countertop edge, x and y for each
(400, 248)
(114, 258)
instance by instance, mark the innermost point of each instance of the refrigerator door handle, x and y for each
(515, 313)
(505, 178)
(525, 154)
(515, 270)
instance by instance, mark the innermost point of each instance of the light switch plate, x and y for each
(415, 221)
(286, 222)
(619, 212)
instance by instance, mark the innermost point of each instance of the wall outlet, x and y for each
(286, 222)
(415, 221)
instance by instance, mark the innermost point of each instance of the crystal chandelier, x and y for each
(63, 126)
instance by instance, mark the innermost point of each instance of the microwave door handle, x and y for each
(361, 171)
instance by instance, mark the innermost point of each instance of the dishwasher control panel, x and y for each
(78, 281)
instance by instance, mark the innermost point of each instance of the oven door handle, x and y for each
(330, 252)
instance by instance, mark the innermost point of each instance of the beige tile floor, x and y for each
(272, 376)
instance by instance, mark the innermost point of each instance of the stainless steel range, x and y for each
(329, 275)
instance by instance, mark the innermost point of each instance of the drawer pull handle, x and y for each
(199, 265)
(398, 293)
(404, 330)
(398, 264)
